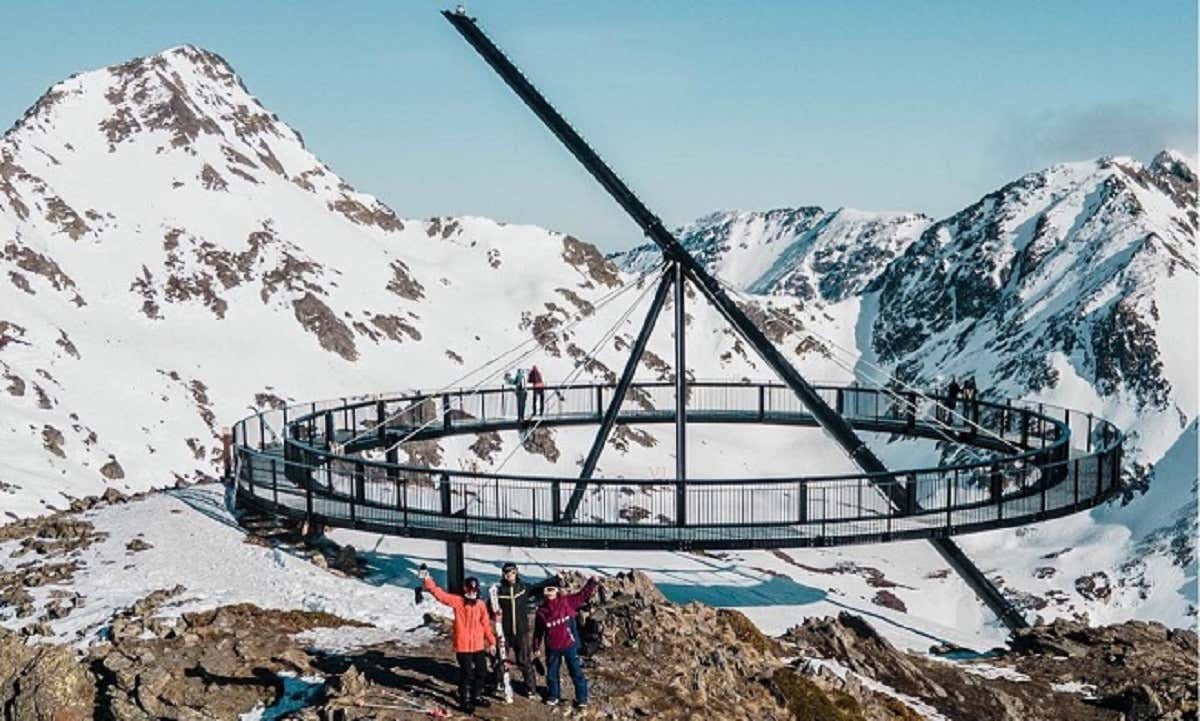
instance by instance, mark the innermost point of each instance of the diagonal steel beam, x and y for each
(672, 248)
(614, 405)
(652, 226)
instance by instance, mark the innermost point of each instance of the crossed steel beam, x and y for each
(682, 267)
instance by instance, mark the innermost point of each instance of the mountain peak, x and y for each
(1176, 163)
(185, 91)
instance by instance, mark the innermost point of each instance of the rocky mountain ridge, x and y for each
(171, 248)
(173, 257)
(654, 659)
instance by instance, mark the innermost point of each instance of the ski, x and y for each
(505, 681)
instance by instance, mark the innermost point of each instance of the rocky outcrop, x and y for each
(1143, 670)
(1062, 672)
(215, 664)
(42, 682)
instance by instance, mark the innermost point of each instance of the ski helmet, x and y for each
(510, 566)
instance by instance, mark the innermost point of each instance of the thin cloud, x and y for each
(1030, 141)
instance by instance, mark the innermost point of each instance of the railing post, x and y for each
(444, 491)
(1089, 433)
(951, 484)
(599, 401)
(1024, 427)
(360, 482)
(1115, 475)
(308, 501)
(910, 494)
(353, 492)
(996, 483)
(274, 483)
(329, 430)
(840, 402)
(534, 516)
(1099, 474)
(392, 456)
(446, 411)
(1044, 482)
(556, 500)
(1076, 482)
(762, 402)
(380, 420)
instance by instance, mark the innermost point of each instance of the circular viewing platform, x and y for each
(335, 462)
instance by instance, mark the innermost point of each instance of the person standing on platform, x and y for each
(539, 390)
(952, 398)
(970, 394)
(517, 379)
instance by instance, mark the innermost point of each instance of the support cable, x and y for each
(534, 339)
(475, 388)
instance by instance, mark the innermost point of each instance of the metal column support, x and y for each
(455, 570)
(708, 286)
(618, 397)
(680, 397)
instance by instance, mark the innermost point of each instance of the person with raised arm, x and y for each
(473, 637)
(555, 625)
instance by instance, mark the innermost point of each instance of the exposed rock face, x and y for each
(216, 664)
(1144, 670)
(43, 682)
(810, 253)
(587, 260)
(1026, 272)
(331, 332)
(541, 442)
(1134, 671)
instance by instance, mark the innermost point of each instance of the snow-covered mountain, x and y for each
(174, 255)
(809, 253)
(1076, 285)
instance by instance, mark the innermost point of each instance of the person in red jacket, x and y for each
(473, 637)
(555, 623)
(539, 390)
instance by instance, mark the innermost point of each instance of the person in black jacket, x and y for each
(952, 398)
(517, 603)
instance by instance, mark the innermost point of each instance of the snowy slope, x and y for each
(173, 255)
(809, 253)
(1075, 285)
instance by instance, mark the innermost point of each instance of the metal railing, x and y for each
(1039, 461)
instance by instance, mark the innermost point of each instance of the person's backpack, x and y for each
(588, 630)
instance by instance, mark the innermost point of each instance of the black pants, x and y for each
(521, 647)
(539, 400)
(472, 672)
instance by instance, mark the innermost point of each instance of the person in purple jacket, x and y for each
(555, 623)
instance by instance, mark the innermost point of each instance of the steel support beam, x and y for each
(680, 397)
(710, 288)
(455, 566)
(614, 405)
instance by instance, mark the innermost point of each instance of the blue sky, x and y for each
(699, 106)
